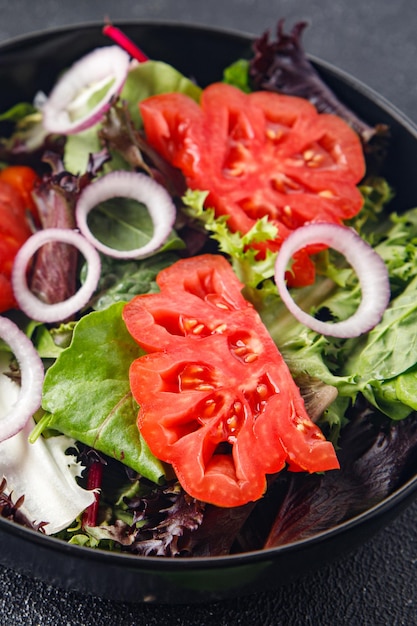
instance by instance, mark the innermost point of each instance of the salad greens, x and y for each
(94, 403)
(87, 397)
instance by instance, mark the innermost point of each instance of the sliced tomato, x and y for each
(14, 230)
(217, 400)
(260, 154)
(23, 179)
(206, 297)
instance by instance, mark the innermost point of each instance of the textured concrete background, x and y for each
(375, 40)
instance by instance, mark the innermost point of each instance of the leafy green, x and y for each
(78, 147)
(388, 353)
(237, 74)
(28, 135)
(121, 280)
(251, 271)
(87, 393)
(50, 342)
(18, 112)
(125, 224)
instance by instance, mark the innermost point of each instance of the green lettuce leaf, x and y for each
(255, 274)
(120, 281)
(125, 224)
(87, 393)
(237, 74)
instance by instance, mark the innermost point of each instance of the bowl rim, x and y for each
(145, 563)
(402, 494)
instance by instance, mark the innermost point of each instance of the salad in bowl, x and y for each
(207, 307)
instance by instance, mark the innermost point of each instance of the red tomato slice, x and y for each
(23, 179)
(217, 400)
(14, 230)
(260, 154)
(207, 297)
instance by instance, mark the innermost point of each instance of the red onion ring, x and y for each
(28, 302)
(32, 375)
(138, 187)
(368, 265)
(107, 63)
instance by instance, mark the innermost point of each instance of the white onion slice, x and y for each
(32, 374)
(135, 186)
(28, 302)
(107, 64)
(368, 265)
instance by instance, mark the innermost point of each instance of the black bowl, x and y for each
(32, 63)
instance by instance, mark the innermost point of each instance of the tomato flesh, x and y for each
(14, 230)
(23, 179)
(261, 154)
(217, 400)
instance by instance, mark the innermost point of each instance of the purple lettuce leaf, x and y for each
(54, 275)
(376, 457)
(283, 66)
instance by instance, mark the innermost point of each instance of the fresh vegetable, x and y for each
(283, 66)
(124, 42)
(54, 276)
(368, 265)
(216, 399)
(14, 226)
(135, 186)
(261, 154)
(376, 458)
(42, 480)
(59, 311)
(94, 404)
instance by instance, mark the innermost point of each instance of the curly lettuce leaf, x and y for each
(87, 393)
(251, 271)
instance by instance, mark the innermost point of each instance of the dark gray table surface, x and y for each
(375, 41)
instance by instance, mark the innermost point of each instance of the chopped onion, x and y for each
(135, 186)
(32, 374)
(368, 265)
(104, 66)
(28, 302)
